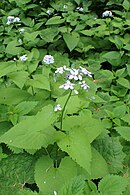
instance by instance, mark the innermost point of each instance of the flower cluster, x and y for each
(107, 14)
(21, 31)
(12, 19)
(65, 7)
(20, 41)
(57, 108)
(74, 77)
(79, 9)
(49, 12)
(48, 59)
(23, 58)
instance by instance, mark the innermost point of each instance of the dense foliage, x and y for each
(64, 97)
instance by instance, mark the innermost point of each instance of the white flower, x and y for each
(17, 19)
(49, 12)
(23, 58)
(75, 91)
(48, 59)
(74, 74)
(65, 6)
(79, 9)
(107, 14)
(20, 41)
(55, 193)
(21, 31)
(59, 70)
(85, 72)
(92, 98)
(10, 20)
(67, 85)
(57, 108)
(65, 68)
(84, 85)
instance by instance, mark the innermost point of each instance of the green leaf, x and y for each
(87, 32)
(112, 184)
(55, 20)
(4, 126)
(104, 78)
(77, 145)
(21, 2)
(7, 67)
(119, 111)
(49, 34)
(118, 42)
(16, 170)
(120, 72)
(34, 132)
(39, 81)
(126, 118)
(113, 57)
(92, 186)
(124, 82)
(31, 36)
(13, 96)
(124, 131)
(127, 192)
(13, 49)
(119, 90)
(128, 68)
(74, 187)
(27, 192)
(19, 78)
(71, 40)
(99, 167)
(50, 179)
(77, 1)
(25, 107)
(127, 47)
(14, 12)
(73, 104)
(92, 127)
(126, 5)
(111, 150)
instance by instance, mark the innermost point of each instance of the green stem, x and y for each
(63, 110)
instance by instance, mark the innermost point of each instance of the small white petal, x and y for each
(20, 41)
(65, 6)
(10, 20)
(21, 31)
(92, 98)
(23, 58)
(67, 85)
(17, 19)
(55, 193)
(49, 12)
(59, 70)
(79, 9)
(107, 14)
(65, 68)
(62, 86)
(48, 59)
(75, 91)
(57, 108)
(70, 77)
(80, 77)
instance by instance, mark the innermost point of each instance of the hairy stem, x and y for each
(63, 110)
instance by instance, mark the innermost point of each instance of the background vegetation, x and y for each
(82, 148)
